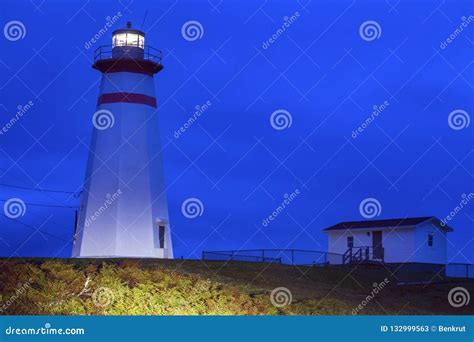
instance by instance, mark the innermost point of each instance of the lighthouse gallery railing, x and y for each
(148, 53)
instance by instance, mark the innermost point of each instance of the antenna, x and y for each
(144, 18)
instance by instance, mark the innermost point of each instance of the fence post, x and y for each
(263, 255)
(292, 257)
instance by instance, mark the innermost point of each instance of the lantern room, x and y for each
(128, 53)
(128, 43)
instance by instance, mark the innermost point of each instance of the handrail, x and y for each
(468, 270)
(235, 257)
(286, 256)
(361, 253)
(273, 250)
(358, 254)
(149, 53)
(347, 255)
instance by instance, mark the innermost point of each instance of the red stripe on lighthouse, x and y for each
(127, 97)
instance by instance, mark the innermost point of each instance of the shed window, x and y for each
(350, 241)
(430, 240)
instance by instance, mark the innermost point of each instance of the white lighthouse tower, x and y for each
(124, 210)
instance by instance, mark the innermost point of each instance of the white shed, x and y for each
(420, 240)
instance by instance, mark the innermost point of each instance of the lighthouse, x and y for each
(123, 210)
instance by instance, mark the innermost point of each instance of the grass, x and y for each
(191, 287)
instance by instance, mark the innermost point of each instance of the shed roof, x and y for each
(389, 223)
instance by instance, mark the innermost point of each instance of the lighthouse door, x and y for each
(159, 235)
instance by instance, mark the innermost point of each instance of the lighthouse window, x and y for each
(161, 233)
(129, 39)
(141, 42)
(132, 39)
(120, 39)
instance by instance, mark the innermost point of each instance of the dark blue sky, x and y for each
(320, 70)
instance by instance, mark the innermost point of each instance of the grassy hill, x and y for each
(192, 287)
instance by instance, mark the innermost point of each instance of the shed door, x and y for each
(377, 244)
